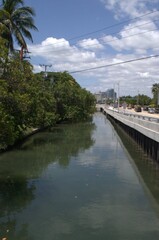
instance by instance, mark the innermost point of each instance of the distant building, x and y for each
(101, 97)
(111, 94)
(98, 97)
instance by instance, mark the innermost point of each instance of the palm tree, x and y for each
(16, 20)
(155, 92)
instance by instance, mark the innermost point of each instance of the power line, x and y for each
(107, 27)
(114, 25)
(143, 24)
(135, 34)
(105, 42)
(115, 64)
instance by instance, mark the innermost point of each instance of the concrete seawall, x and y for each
(144, 131)
(147, 128)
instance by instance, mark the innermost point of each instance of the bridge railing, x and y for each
(148, 127)
(150, 118)
(144, 117)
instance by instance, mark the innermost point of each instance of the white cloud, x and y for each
(61, 52)
(139, 37)
(144, 74)
(128, 44)
(90, 44)
(132, 76)
(131, 8)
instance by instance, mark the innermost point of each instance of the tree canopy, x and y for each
(29, 101)
(155, 92)
(16, 21)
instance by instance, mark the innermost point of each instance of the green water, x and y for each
(78, 182)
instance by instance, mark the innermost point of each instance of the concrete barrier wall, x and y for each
(147, 128)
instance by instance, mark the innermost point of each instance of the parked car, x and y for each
(156, 110)
(138, 108)
(129, 106)
(145, 108)
(151, 110)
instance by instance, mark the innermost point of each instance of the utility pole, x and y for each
(45, 67)
(23, 53)
(114, 94)
(118, 97)
(138, 97)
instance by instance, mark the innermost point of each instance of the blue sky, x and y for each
(80, 34)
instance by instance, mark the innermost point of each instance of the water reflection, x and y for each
(21, 168)
(148, 168)
(74, 182)
(15, 194)
(56, 145)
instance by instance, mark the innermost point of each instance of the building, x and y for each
(98, 97)
(111, 94)
(101, 97)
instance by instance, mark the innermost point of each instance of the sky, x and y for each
(88, 38)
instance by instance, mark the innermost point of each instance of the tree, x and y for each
(15, 101)
(3, 54)
(28, 101)
(16, 20)
(73, 102)
(155, 92)
(43, 104)
(143, 100)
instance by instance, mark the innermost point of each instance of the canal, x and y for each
(84, 181)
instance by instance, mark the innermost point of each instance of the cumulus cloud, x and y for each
(71, 58)
(138, 38)
(62, 53)
(131, 8)
(92, 44)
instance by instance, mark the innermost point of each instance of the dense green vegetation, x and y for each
(16, 20)
(141, 99)
(32, 101)
(155, 92)
(29, 101)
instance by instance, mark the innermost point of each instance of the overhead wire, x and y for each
(135, 34)
(103, 42)
(108, 27)
(114, 25)
(140, 25)
(115, 64)
(102, 29)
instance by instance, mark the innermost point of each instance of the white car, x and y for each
(151, 110)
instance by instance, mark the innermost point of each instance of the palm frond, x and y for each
(17, 20)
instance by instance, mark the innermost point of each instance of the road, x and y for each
(143, 113)
(132, 111)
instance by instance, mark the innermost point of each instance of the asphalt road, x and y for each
(143, 113)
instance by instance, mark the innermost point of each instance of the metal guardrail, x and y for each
(143, 117)
(135, 115)
(144, 124)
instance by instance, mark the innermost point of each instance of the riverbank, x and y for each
(26, 135)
